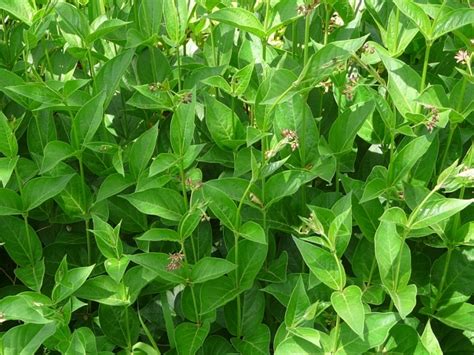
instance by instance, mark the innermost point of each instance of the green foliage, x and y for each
(253, 177)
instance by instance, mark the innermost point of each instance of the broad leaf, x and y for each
(326, 266)
(161, 202)
(348, 305)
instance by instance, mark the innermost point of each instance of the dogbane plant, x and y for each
(253, 177)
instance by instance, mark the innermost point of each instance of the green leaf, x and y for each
(241, 79)
(82, 342)
(346, 126)
(404, 339)
(163, 162)
(404, 298)
(283, 184)
(210, 268)
(295, 114)
(256, 341)
(71, 281)
(251, 257)
(104, 290)
(190, 337)
(216, 293)
(452, 20)
(406, 158)
(224, 125)
(182, 126)
(142, 150)
(296, 345)
(7, 166)
(459, 316)
(54, 153)
(28, 307)
(176, 16)
(436, 210)
(87, 121)
(107, 238)
(41, 189)
(297, 306)
(26, 338)
(326, 59)
(428, 338)
(254, 232)
(73, 21)
(376, 331)
(327, 268)
(400, 32)
(161, 202)
(104, 28)
(252, 308)
(31, 275)
(403, 83)
(457, 286)
(158, 263)
(119, 324)
(239, 18)
(160, 235)
(416, 14)
(340, 229)
(150, 16)
(348, 305)
(219, 82)
(109, 76)
(189, 223)
(373, 189)
(283, 13)
(8, 143)
(21, 9)
(21, 241)
(10, 203)
(309, 334)
(221, 205)
(112, 185)
(116, 268)
(393, 256)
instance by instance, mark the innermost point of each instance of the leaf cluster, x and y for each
(214, 177)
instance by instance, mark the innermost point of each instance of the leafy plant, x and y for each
(217, 177)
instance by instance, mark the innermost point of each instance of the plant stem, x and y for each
(265, 26)
(336, 334)
(443, 279)
(371, 70)
(326, 23)
(452, 128)
(196, 313)
(127, 330)
(371, 274)
(233, 111)
(168, 320)
(178, 54)
(239, 317)
(237, 278)
(91, 64)
(146, 330)
(153, 67)
(86, 212)
(294, 44)
(183, 185)
(307, 25)
(425, 66)
(213, 44)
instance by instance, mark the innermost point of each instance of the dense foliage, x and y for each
(282, 177)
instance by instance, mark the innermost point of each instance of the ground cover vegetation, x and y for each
(217, 177)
